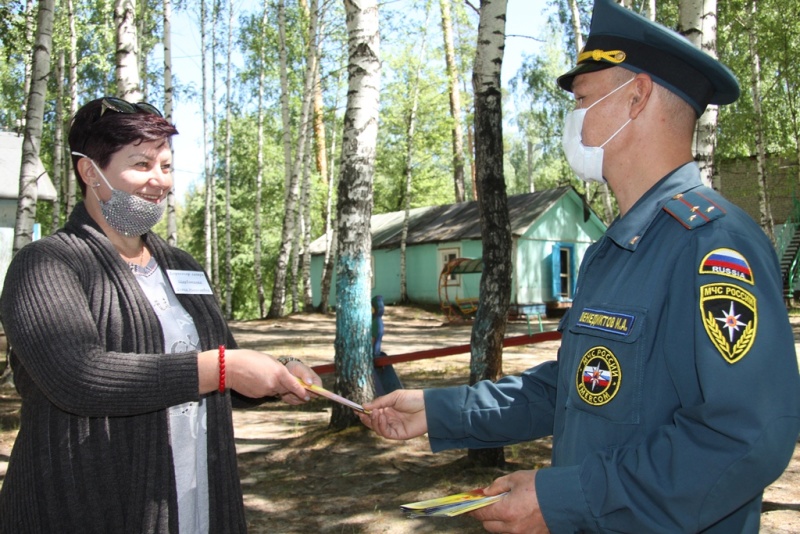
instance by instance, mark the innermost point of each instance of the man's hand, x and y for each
(516, 513)
(398, 415)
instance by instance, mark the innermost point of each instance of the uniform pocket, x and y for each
(602, 362)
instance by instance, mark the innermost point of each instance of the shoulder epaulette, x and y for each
(692, 209)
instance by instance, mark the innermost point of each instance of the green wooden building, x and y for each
(551, 230)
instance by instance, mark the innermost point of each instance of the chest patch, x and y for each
(730, 318)
(727, 262)
(599, 376)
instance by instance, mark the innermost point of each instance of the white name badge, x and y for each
(189, 282)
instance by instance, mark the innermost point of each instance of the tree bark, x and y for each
(58, 144)
(73, 103)
(330, 231)
(408, 170)
(291, 207)
(698, 23)
(127, 55)
(488, 331)
(755, 86)
(228, 142)
(30, 166)
(172, 217)
(353, 356)
(259, 277)
(455, 100)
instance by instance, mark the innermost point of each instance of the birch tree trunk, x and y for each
(228, 119)
(353, 355)
(207, 219)
(30, 18)
(58, 143)
(31, 167)
(755, 84)
(127, 71)
(488, 331)
(330, 234)
(172, 218)
(214, 137)
(284, 75)
(305, 264)
(73, 103)
(455, 101)
(408, 171)
(291, 209)
(698, 23)
(259, 277)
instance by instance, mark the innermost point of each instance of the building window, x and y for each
(563, 271)
(565, 276)
(446, 255)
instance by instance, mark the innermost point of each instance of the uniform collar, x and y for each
(629, 230)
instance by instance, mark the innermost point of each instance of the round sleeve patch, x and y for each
(727, 262)
(730, 318)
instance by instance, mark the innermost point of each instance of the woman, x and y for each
(122, 357)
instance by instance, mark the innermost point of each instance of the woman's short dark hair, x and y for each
(100, 133)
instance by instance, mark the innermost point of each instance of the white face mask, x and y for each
(585, 161)
(126, 213)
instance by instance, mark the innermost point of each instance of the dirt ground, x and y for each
(300, 477)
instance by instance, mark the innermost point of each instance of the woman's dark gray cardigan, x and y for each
(93, 452)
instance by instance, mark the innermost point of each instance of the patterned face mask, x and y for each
(126, 213)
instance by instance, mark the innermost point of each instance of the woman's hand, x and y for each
(253, 374)
(303, 372)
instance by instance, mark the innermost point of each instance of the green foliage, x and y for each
(432, 175)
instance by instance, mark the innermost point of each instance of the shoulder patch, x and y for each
(727, 262)
(692, 209)
(729, 315)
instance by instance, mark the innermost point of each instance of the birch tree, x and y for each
(353, 357)
(291, 209)
(228, 119)
(455, 100)
(172, 220)
(408, 171)
(259, 277)
(209, 178)
(755, 84)
(31, 167)
(698, 23)
(127, 67)
(58, 143)
(489, 328)
(71, 188)
(330, 230)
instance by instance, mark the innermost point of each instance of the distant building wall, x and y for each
(738, 182)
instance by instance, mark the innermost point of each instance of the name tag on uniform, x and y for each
(189, 282)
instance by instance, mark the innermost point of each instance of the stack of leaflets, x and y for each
(450, 506)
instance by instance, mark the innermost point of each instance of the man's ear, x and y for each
(642, 90)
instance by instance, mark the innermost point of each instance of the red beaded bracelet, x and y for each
(222, 368)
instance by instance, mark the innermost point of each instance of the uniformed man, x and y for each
(675, 399)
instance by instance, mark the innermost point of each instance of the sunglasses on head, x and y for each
(123, 106)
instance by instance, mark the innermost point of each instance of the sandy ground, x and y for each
(300, 477)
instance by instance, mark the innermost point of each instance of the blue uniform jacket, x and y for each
(675, 398)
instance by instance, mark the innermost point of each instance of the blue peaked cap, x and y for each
(618, 37)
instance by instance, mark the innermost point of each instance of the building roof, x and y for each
(10, 162)
(454, 222)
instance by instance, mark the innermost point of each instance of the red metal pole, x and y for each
(515, 341)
